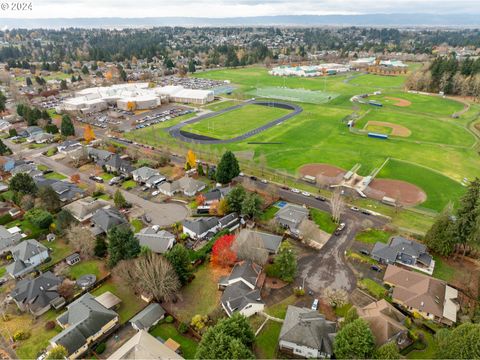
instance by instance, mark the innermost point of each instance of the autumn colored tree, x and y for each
(213, 208)
(88, 134)
(75, 178)
(191, 159)
(222, 253)
(200, 200)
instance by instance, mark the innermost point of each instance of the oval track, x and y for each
(176, 130)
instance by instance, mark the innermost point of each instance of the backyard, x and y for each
(188, 345)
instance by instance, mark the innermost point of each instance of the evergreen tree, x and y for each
(49, 199)
(67, 127)
(122, 245)
(28, 81)
(191, 66)
(23, 183)
(285, 263)
(251, 205)
(3, 148)
(63, 85)
(180, 260)
(354, 341)
(441, 238)
(228, 168)
(85, 70)
(388, 351)
(100, 249)
(466, 222)
(235, 199)
(459, 343)
(119, 199)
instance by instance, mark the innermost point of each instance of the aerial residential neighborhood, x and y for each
(240, 181)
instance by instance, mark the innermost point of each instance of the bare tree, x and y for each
(336, 297)
(82, 240)
(150, 273)
(337, 205)
(249, 246)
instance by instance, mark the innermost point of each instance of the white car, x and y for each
(354, 208)
(296, 191)
(305, 193)
(264, 181)
(241, 174)
(315, 304)
(156, 192)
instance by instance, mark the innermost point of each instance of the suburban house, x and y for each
(231, 222)
(144, 346)
(432, 298)
(66, 191)
(26, 168)
(106, 218)
(201, 228)
(68, 145)
(27, 255)
(405, 252)
(30, 131)
(9, 238)
(386, 322)
(157, 240)
(8, 163)
(83, 209)
(99, 156)
(291, 216)
(148, 176)
(5, 125)
(115, 164)
(187, 185)
(241, 289)
(269, 242)
(148, 317)
(40, 138)
(305, 333)
(213, 196)
(84, 322)
(38, 295)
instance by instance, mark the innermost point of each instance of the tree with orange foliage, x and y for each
(131, 106)
(213, 208)
(200, 200)
(191, 159)
(222, 253)
(89, 134)
(108, 75)
(75, 178)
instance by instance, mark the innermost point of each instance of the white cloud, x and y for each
(234, 8)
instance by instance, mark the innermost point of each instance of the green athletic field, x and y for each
(236, 122)
(438, 154)
(295, 95)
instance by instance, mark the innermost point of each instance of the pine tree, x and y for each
(440, 238)
(467, 213)
(228, 168)
(67, 127)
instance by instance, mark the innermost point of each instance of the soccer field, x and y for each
(296, 95)
(236, 122)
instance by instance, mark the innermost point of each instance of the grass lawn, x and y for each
(269, 213)
(266, 342)
(236, 122)
(324, 220)
(429, 352)
(105, 197)
(279, 310)
(360, 257)
(137, 224)
(342, 311)
(95, 267)
(201, 296)
(442, 270)
(167, 331)
(59, 250)
(130, 305)
(42, 167)
(371, 236)
(129, 184)
(220, 105)
(55, 176)
(106, 176)
(375, 289)
(2, 271)
(32, 231)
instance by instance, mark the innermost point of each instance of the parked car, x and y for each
(254, 178)
(354, 208)
(315, 304)
(320, 198)
(340, 228)
(305, 193)
(241, 174)
(147, 218)
(97, 179)
(366, 212)
(264, 181)
(376, 268)
(156, 192)
(364, 252)
(296, 191)
(145, 188)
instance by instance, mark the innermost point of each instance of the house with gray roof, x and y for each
(30, 131)
(84, 322)
(189, 186)
(65, 190)
(27, 255)
(201, 228)
(148, 317)
(40, 138)
(38, 295)
(106, 218)
(269, 242)
(148, 176)
(405, 252)
(231, 222)
(291, 216)
(83, 209)
(241, 292)
(305, 333)
(68, 146)
(117, 164)
(99, 156)
(8, 239)
(156, 239)
(215, 195)
(26, 168)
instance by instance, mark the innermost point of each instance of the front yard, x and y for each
(187, 344)
(55, 176)
(372, 236)
(129, 184)
(324, 220)
(373, 288)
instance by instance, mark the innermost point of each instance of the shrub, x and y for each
(182, 328)
(199, 322)
(21, 335)
(50, 325)
(39, 217)
(101, 348)
(5, 219)
(169, 319)
(298, 291)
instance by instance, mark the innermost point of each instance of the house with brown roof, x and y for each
(432, 298)
(386, 322)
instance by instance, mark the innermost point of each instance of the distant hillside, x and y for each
(382, 20)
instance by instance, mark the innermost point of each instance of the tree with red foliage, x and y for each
(222, 253)
(200, 200)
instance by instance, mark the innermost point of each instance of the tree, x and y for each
(228, 168)
(39, 217)
(23, 183)
(337, 206)
(222, 253)
(64, 220)
(66, 126)
(249, 246)
(459, 343)
(350, 316)
(285, 262)
(119, 199)
(28, 81)
(100, 249)
(3, 101)
(235, 198)
(440, 238)
(336, 297)
(85, 70)
(465, 229)
(222, 207)
(387, 351)
(66, 289)
(88, 134)
(3, 148)
(57, 353)
(200, 170)
(191, 159)
(63, 85)
(82, 240)
(49, 199)
(191, 66)
(152, 274)
(231, 338)
(122, 245)
(251, 206)
(180, 260)
(354, 341)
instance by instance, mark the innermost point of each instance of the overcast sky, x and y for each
(234, 8)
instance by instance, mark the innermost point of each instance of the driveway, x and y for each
(162, 214)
